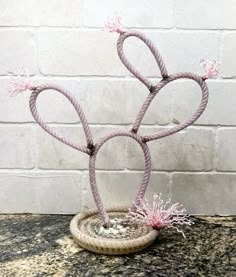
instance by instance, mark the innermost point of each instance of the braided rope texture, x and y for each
(82, 229)
(92, 149)
(68, 95)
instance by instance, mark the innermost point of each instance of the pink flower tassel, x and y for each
(159, 215)
(113, 24)
(21, 83)
(211, 68)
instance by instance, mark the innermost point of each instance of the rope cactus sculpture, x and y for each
(86, 234)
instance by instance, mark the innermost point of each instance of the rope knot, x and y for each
(152, 89)
(91, 149)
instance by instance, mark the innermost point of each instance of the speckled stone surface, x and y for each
(41, 245)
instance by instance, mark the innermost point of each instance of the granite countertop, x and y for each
(41, 245)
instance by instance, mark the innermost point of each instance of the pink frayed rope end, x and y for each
(21, 83)
(113, 24)
(160, 214)
(211, 68)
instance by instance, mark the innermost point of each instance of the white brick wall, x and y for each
(61, 41)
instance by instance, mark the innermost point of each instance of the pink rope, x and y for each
(156, 89)
(52, 132)
(92, 149)
(194, 117)
(153, 50)
(92, 174)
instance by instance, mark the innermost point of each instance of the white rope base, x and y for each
(87, 229)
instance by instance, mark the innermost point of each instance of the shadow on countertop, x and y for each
(41, 245)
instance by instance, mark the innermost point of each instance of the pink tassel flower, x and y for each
(21, 83)
(113, 24)
(211, 68)
(159, 215)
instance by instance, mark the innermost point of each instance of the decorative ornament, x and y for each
(123, 230)
(211, 68)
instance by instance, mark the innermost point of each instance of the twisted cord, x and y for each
(185, 124)
(92, 174)
(142, 112)
(92, 149)
(152, 48)
(38, 119)
(83, 229)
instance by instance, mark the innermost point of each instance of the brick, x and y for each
(222, 97)
(90, 53)
(119, 101)
(229, 44)
(120, 188)
(105, 100)
(17, 147)
(159, 110)
(189, 48)
(112, 154)
(52, 106)
(77, 12)
(191, 149)
(93, 51)
(48, 193)
(211, 14)
(15, 109)
(35, 13)
(206, 194)
(109, 101)
(226, 149)
(146, 14)
(55, 155)
(92, 60)
(17, 51)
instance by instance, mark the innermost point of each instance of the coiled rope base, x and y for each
(87, 229)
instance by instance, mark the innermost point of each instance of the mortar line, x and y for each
(134, 171)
